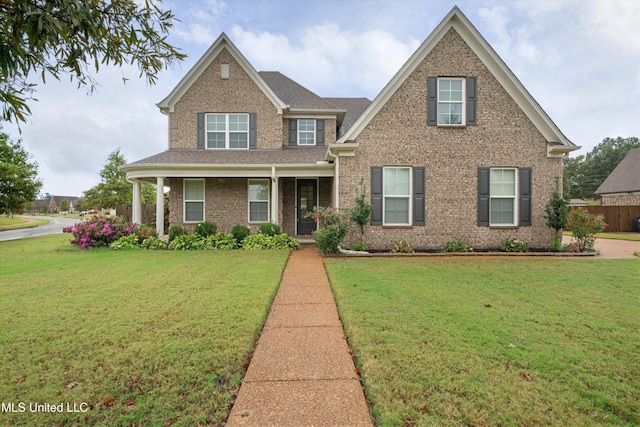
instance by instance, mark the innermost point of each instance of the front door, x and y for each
(307, 198)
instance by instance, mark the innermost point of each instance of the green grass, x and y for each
(7, 223)
(494, 341)
(143, 337)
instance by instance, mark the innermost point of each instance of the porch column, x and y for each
(160, 206)
(136, 214)
(274, 197)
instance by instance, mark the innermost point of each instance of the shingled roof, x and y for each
(625, 178)
(294, 94)
(354, 106)
(194, 156)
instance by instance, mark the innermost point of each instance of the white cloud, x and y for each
(615, 23)
(327, 59)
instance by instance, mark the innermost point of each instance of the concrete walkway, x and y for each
(302, 372)
(612, 248)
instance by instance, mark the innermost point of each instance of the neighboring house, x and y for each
(38, 205)
(454, 147)
(622, 186)
(55, 201)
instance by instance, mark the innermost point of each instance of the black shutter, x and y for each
(293, 132)
(418, 195)
(252, 131)
(200, 134)
(471, 101)
(320, 132)
(376, 195)
(525, 196)
(432, 101)
(483, 196)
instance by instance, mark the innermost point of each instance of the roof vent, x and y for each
(224, 71)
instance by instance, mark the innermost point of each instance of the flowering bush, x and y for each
(332, 228)
(401, 246)
(100, 231)
(514, 245)
(585, 226)
(458, 246)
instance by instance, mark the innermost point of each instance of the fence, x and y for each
(619, 218)
(148, 213)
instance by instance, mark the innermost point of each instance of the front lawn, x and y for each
(7, 223)
(139, 337)
(494, 341)
(634, 237)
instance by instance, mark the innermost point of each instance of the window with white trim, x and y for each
(396, 196)
(193, 200)
(451, 97)
(306, 132)
(502, 200)
(227, 131)
(258, 200)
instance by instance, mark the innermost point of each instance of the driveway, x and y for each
(612, 248)
(55, 226)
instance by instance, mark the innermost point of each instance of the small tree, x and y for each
(361, 213)
(585, 226)
(19, 181)
(64, 205)
(557, 213)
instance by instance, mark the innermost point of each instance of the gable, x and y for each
(221, 44)
(456, 22)
(625, 177)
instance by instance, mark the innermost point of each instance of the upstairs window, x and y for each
(450, 101)
(306, 132)
(227, 131)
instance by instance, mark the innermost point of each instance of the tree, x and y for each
(19, 181)
(557, 213)
(75, 37)
(361, 213)
(113, 188)
(584, 174)
(64, 205)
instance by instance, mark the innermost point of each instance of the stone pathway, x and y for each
(302, 373)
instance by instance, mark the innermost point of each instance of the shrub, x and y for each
(401, 246)
(187, 242)
(332, 228)
(284, 241)
(359, 246)
(145, 232)
(206, 228)
(262, 241)
(154, 243)
(100, 231)
(585, 226)
(240, 232)
(220, 242)
(556, 244)
(514, 245)
(458, 246)
(126, 242)
(270, 229)
(176, 230)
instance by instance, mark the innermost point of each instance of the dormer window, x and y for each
(227, 131)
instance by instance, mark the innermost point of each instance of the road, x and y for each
(55, 226)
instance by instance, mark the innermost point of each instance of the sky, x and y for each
(580, 60)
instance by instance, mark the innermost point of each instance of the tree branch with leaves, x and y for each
(40, 38)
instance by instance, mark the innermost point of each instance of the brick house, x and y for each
(622, 186)
(454, 147)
